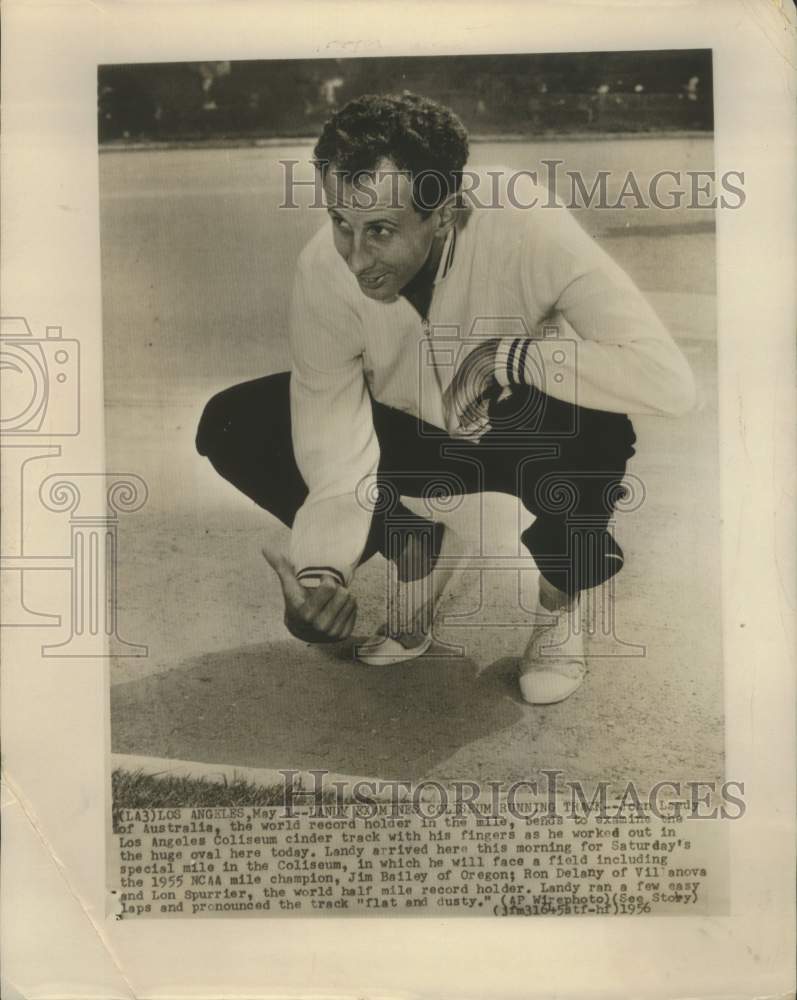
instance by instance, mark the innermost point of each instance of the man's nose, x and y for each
(359, 258)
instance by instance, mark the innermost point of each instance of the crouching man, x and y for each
(374, 406)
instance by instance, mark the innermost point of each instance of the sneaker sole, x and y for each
(389, 651)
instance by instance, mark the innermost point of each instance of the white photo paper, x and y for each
(397, 431)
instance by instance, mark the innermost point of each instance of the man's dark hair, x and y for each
(420, 136)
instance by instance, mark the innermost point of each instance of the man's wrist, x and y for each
(312, 576)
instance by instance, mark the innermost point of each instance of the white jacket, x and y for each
(504, 272)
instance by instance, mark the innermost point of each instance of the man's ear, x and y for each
(446, 214)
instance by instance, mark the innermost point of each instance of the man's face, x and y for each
(377, 230)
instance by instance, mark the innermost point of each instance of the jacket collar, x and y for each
(447, 256)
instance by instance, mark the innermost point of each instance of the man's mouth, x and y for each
(374, 281)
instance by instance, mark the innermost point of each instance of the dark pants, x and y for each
(564, 462)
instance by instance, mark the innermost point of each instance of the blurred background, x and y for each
(494, 95)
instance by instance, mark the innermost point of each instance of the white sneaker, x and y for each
(415, 607)
(553, 665)
(382, 650)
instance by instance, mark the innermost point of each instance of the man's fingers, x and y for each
(317, 599)
(467, 397)
(473, 420)
(344, 623)
(326, 618)
(271, 552)
(470, 415)
(452, 420)
(456, 410)
(347, 613)
(349, 624)
(294, 592)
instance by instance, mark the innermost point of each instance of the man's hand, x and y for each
(325, 613)
(474, 386)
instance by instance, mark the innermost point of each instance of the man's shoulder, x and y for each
(513, 214)
(503, 202)
(321, 271)
(318, 251)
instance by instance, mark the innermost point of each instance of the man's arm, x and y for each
(325, 613)
(333, 435)
(625, 360)
(613, 352)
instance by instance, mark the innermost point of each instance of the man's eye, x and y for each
(339, 223)
(382, 232)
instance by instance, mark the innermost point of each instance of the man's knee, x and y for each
(605, 441)
(573, 557)
(232, 416)
(212, 424)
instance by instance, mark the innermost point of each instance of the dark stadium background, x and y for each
(595, 92)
